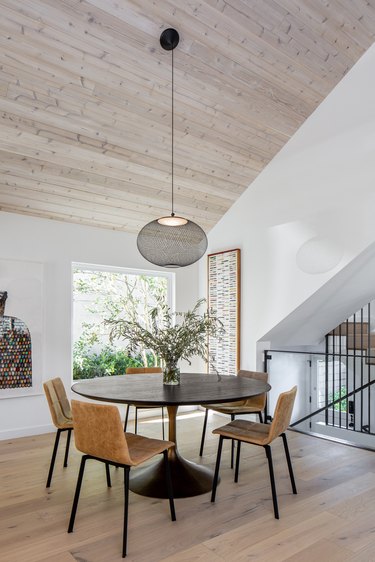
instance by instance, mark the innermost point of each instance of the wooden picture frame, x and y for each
(224, 298)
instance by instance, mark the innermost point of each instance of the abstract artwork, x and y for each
(15, 350)
(20, 328)
(224, 279)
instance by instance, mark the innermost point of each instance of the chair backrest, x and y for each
(283, 413)
(141, 370)
(58, 402)
(258, 402)
(98, 432)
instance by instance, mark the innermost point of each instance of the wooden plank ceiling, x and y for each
(85, 100)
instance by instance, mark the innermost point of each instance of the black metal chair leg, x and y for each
(108, 474)
(232, 418)
(203, 433)
(217, 468)
(237, 461)
(53, 458)
(168, 479)
(126, 417)
(162, 421)
(126, 510)
(272, 479)
(67, 448)
(77, 492)
(136, 420)
(290, 468)
(260, 417)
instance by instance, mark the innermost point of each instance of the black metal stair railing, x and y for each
(337, 401)
(340, 377)
(343, 397)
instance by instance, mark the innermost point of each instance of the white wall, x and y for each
(57, 245)
(345, 293)
(309, 213)
(286, 370)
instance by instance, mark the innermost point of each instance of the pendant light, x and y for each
(172, 241)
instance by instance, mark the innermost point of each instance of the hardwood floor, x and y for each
(331, 518)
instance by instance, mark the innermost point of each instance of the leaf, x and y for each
(170, 335)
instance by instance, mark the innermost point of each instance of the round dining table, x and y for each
(188, 478)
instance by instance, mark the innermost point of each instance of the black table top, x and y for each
(195, 388)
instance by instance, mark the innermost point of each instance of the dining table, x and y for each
(189, 478)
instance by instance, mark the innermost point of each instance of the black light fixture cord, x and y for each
(172, 214)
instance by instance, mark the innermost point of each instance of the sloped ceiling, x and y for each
(85, 101)
(335, 301)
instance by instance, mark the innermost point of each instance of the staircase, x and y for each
(354, 336)
(357, 334)
(350, 371)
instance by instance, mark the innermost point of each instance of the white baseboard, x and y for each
(26, 431)
(50, 428)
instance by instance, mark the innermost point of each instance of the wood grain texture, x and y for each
(193, 389)
(85, 107)
(331, 518)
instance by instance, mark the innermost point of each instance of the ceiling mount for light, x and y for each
(171, 241)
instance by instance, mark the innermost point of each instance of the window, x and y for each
(336, 387)
(101, 293)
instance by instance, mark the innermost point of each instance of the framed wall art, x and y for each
(21, 321)
(224, 297)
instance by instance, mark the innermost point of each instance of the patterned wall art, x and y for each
(224, 287)
(20, 328)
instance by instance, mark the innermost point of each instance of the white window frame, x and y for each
(171, 287)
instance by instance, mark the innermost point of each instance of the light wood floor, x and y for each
(331, 518)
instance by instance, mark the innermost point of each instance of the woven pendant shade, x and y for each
(172, 246)
(171, 241)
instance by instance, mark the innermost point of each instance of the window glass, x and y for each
(104, 293)
(336, 379)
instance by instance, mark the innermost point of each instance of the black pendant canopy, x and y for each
(172, 241)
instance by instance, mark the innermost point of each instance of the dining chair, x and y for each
(254, 405)
(99, 436)
(262, 435)
(139, 371)
(61, 417)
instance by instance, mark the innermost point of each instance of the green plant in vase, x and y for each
(173, 335)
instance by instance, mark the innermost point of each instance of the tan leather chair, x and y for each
(61, 416)
(262, 435)
(254, 405)
(99, 435)
(139, 371)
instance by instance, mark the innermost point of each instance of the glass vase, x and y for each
(171, 374)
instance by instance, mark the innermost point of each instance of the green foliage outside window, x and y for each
(100, 295)
(108, 362)
(335, 396)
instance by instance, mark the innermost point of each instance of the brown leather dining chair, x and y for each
(99, 436)
(139, 371)
(61, 417)
(254, 405)
(262, 435)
